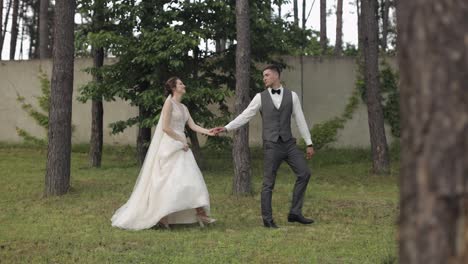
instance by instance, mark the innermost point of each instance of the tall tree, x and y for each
(97, 110)
(1, 26)
(339, 28)
(32, 23)
(359, 26)
(241, 151)
(296, 13)
(433, 63)
(323, 25)
(44, 50)
(380, 157)
(57, 180)
(5, 25)
(14, 29)
(22, 19)
(385, 9)
(280, 4)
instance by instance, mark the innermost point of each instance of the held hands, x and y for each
(217, 130)
(310, 152)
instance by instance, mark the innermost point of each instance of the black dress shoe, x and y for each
(300, 219)
(269, 224)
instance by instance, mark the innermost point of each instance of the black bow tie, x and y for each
(273, 91)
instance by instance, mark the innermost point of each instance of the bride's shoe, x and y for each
(203, 219)
(164, 224)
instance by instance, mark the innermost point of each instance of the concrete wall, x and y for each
(328, 83)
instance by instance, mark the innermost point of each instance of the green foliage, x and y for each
(389, 92)
(326, 133)
(390, 98)
(41, 118)
(156, 39)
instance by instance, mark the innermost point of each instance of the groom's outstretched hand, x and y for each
(310, 152)
(217, 130)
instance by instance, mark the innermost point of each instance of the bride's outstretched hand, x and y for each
(211, 133)
(217, 130)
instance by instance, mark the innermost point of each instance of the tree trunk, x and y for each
(5, 26)
(1, 26)
(359, 20)
(385, 23)
(304, 14)
(57, 180)
(339, 28)
(433, 61)
(143, 138)
(97, 115)
(34, 31)
(22, 19)
(14, 29)
(241, 151)
(269, 9)
(296, 13)
(220, 45)
(378, 140)
(280, 3)
(44, 50)
(196, 149)
(323, 25)
(97, 110)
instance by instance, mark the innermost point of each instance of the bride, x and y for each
(170, 188)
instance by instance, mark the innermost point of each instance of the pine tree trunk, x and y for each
(359, 20)
(143, 138)
(44, 51)
(5, 25)
(14, 29)
(385, 23)
(323, 25)
(433, 62)
(34, 31)
(303, 14)
(269, 9)
(97, 110)
(339, 28)
(220, 45)
(296, 12)
(22, 18)
(379, 147)
(1, 26)
(280, 3)
(241, 151)
(196, 149)
(57, 180)
(97, 116)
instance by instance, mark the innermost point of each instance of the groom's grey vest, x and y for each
(276, 122)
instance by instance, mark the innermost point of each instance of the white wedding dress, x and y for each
(169, 184)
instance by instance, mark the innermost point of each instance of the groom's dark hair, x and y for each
(273, 67)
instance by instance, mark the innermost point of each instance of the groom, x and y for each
(277, 105)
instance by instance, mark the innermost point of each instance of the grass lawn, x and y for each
(355, 213)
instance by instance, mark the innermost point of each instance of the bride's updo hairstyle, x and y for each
(171, 83)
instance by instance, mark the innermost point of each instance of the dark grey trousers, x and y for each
(274, 154)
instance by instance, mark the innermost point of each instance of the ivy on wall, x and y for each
(390, 95)
(40, 116)
(326, 132)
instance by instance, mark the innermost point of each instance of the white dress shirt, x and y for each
(256, 104)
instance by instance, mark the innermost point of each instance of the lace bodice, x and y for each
(179, 118)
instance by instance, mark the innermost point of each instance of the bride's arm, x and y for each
(196, 127)
(167, 112)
